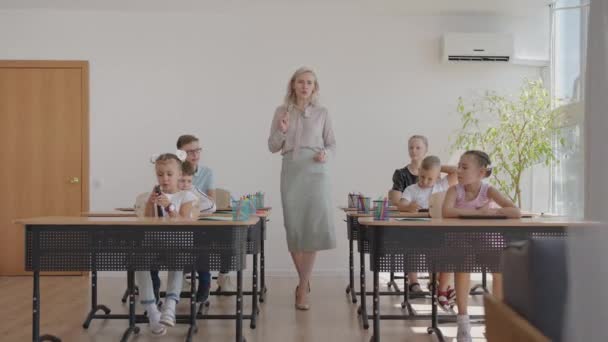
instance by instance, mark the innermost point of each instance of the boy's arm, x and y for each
(452, 173)
(407, 203)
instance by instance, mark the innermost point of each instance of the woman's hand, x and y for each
(320, 157)
(284, 122)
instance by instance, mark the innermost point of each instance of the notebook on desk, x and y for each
(412, 219)
(216, 218)
(483, 217)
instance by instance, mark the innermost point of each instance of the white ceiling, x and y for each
(411, 7)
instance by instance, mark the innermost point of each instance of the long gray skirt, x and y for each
(307, 204)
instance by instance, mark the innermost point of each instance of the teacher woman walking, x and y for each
(301, 130)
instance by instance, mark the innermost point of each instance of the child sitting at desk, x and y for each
(471, 196)
(169, 202)
(203, 204)
(417, 196)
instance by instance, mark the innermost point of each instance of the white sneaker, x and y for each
(224, 283)
(168, 317)
(464, 329)
(156, 328)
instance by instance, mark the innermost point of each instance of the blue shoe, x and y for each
(202, 295)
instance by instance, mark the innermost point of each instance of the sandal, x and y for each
(446, 299)
(301, 307)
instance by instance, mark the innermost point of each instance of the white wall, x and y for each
(154, 76)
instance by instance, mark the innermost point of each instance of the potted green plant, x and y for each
(517, 132)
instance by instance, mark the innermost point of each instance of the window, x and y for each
(568, 58)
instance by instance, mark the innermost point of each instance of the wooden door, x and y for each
(44, 143)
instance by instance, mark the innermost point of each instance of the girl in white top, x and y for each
(169, 202)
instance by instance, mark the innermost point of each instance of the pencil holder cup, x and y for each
(364, 204)
(241, 210)
(380, 210)
(352, 201)
(259, 200)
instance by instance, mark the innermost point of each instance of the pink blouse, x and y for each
(481, 199)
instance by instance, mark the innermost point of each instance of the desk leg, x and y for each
(263, 289)
(94, 306)
(239, 306)
(406, 297)
(392, 283)
(363, 305)
(193, 328)
(254, 293)
(376, 335)
(480, 289)
(434, 328)
(350, 288)
(36, 313)
(125, 295)
(132, 329)
(36, 309)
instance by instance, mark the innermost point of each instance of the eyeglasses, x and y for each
(194, 152)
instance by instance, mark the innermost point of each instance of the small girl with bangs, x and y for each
(171, 202)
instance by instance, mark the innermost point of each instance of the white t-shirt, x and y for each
(177, 199)
(421, 196)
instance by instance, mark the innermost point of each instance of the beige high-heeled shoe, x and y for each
(302, 307)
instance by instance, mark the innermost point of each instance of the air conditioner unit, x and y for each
(477, 47)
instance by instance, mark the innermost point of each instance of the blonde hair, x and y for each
(290, 97)
(424, 140)
(168, 157)
(430, 162)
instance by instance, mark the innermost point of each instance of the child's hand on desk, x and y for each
(486, 210)
(413, 206)
(320, 157)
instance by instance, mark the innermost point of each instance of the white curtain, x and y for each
(587, 315)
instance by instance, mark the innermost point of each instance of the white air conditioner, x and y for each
(482, 47)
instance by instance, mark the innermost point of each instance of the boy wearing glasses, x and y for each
(203, 178)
